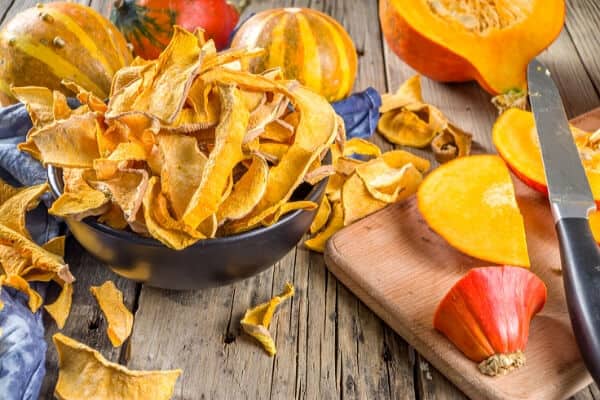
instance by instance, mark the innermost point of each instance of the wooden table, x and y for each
(329, 344)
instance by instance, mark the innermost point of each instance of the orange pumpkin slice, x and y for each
(516, 140)
(471, 203)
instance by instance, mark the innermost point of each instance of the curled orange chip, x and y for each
(322, 216)
(278, 131)
(246, 193)
(357, 202)
(119, 318)
(389, 184)
(113, 217)
(273, 151)
(126, 188)
(85, 96)
(84, 374)
(12, 262)
(409, 93)
(335, 223)
(60, 107)
(60, 309)
(257, 320)
(222, 159)
(362, 147)
(287, 208)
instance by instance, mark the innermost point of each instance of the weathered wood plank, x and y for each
(583, 19)
(86, 322)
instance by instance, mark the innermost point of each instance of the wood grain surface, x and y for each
(330, 345)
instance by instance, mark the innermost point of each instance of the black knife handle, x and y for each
(581, 276)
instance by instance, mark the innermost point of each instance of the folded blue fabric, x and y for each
(360, 113)
(22, 344)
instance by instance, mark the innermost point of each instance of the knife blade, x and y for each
(571, 200)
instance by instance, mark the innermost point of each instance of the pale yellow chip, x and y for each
(60, 107)
(222, 159)
(287, 208)
(84, 374)
(13, 210)
(257, 320)
(60, 309)
(405, 128)
(118, 317)
(322, 216)
(79, 200)
(126, 188)
(389, 184)
(67, 143)
(357, 202)
(247, 192)
(335, 223)
(38, 102)
(181, 171)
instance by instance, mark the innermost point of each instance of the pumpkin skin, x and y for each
(308, 45)
(148, 24)
(48, 43)
(451, 48)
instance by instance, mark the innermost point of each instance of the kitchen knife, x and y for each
(571, 200)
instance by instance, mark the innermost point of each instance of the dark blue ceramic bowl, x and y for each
(208, 263)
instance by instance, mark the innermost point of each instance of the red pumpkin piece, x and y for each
(148, 24)
(487, 313)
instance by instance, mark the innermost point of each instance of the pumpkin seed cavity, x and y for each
(481, 16)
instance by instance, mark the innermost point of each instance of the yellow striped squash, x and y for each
(50, 42)
(308, 45)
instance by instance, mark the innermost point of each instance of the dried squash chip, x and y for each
(175, 239)
(84, 374)
(34, 300)
(126, 188)
(13, 263)
(322, 216)
(79, 200)
(106, 168)
(86, 97)
(287, 208)
(316, 175)
(451, 143)
(182, 167)
(257, 320)
(278, 131)
(389, 184)
(399, 158)
(40, 258)
(56, 245)
(247, 192)
(408, 93)
(60, 107)
(346, 166)
(273, 151)
(176, 68)
(357, 202)
(222, 159)
(361, 147)
(335, 223)
(113, 217)
(119, 318)
(38, 102)
(67, 143)
(7, 191)
(60, 309)
(405, 128)
(13, 210)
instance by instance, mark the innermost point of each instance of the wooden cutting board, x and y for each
(401, 269)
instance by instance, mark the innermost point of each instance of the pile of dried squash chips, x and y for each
(190, 146)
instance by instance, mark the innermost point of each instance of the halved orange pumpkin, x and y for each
(470, 202)
(488, 41)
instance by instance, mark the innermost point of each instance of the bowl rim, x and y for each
(314, 194)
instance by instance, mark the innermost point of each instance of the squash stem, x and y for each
(502, 364)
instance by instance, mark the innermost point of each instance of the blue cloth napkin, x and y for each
(22, 344)
(360, 113)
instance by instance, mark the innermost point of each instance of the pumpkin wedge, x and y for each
(487, 41)
(471, 203)
(516, 140)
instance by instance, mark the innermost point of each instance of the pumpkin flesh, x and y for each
(454, 41)
(470, 202)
